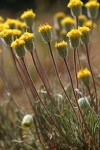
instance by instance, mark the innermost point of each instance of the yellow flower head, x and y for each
(3, 26)
(6, 32)
(90, 24)
(1, 19)
(67, 20)
(28, 14)
(27, 36)
(84, 29)
(17, 43)
(61, 44)
(92, 4)
(75, 3)
(83, 73)
(74, 33)
(20, 24)
(59, 15)
(44, 28)
(11, 22)
(16, 32)
(82, 17)
(62, 48)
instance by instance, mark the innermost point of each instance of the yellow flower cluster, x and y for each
(82, 17)
(27, 36)
(3, 26)
(16, 32)
(20, 24)
(28, 14)
(90, 24)
(16, 23)
(6, 32)
(84, 29)
(11, 22)
(83, 73)
(17, 43)
(1, 19)
(59, 15)
(75, 3)
(67, 20)
(61, 44)
(74, 33)
(44, 28)
(91, 4)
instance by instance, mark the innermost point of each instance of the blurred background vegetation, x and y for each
(36, 5)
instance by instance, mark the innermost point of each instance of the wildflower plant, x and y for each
(63, 119)
(28, 16)
(92, 9)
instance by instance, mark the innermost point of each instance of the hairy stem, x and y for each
(40, 75)
(88, 58)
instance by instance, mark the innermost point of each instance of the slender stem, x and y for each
(91, 35)
(88, 58)
(76, 22)
(75, 67)
(38, 134)
(41, 70)
(16, 60)
(33, 87)
(29, 79)
(67, 67)
(78, 56)
(52, 100)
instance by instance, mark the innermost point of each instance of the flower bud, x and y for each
(45, 31)
(83, 102)
(63, 35)
(18, 45)
(67, 23)
(90, 24)
(11, 23)
(28, 39)
(6, 34)
(62, 48)
(76, 7)
(16, 33)
(81, 20)
(74, 38)
(57, 19)
(84, 75)
(27, 121)
(92, 9)
(85, 34)
(28, 16)
(3, 26)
